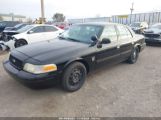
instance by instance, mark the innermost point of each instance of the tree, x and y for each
(58, 17)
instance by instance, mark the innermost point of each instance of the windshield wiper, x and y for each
(71, 39)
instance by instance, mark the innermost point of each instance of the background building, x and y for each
(12, 17)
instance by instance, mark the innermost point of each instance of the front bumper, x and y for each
(153, 40)
(30, 79)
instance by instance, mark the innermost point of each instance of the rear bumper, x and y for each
(31, 79)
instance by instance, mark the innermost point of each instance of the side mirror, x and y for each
(105, 41)
(30, 32)
(94, 38)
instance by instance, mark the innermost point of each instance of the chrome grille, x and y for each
(16, 62)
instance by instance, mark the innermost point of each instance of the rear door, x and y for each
(109, 52)
(125, 41)
(38, 34)
(51, 32)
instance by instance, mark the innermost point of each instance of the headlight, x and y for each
(37, 69)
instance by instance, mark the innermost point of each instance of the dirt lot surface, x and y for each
(122, 90)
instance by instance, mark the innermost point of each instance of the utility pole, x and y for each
(42, 12)
(131, 9)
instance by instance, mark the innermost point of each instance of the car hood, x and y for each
(153, 31)
(53, 50)
(10, 32)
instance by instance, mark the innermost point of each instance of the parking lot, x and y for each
(121, 90)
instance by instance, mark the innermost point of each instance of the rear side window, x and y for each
(50, 29)
(124, 33)
(38, 29)
(109, 32)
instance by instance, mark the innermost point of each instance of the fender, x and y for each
(78, 59)
(71, 61)
(138, 45)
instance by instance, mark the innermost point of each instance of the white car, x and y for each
(31, 34)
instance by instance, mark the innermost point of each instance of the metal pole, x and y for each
(131, 9)
(42, 12)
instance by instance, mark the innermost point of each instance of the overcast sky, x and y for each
(78, 8)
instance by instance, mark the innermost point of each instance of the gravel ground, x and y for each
(122, 90)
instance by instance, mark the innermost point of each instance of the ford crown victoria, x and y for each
(79, 50)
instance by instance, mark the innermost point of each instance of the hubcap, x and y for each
(75, 76)
(134, 55)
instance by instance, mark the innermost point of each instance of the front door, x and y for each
(37, 34)
(109, 53)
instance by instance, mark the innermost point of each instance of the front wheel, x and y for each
(74, 77)
(20, 43)
(134, 55)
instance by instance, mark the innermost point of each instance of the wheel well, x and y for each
(20, 40)
(139, 47)
(83, 62)
(23, 40)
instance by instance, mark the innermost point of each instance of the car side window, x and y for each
(38, 29)
(124, 33)
(109, 32)
(50, 29)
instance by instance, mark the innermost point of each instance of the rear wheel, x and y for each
(74, 77)
(20, 43)
(134, 55)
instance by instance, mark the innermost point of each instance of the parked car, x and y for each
(79, 50)
(139, 27)
(61, 25)
(9, 23)
(9, 31)
(2, 27)
(153, 34)
(31, 34)
(16, 27)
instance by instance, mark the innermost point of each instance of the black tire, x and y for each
(20, 43)
(134, 55)
(74, 77)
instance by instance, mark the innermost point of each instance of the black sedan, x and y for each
(79, 50)
(153, 35)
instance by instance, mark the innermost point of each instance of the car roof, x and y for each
(35, 25)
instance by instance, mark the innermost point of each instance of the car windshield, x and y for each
(24, 29)
(135, 25)
(82, 33)
(18, 25)
(156, 26)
